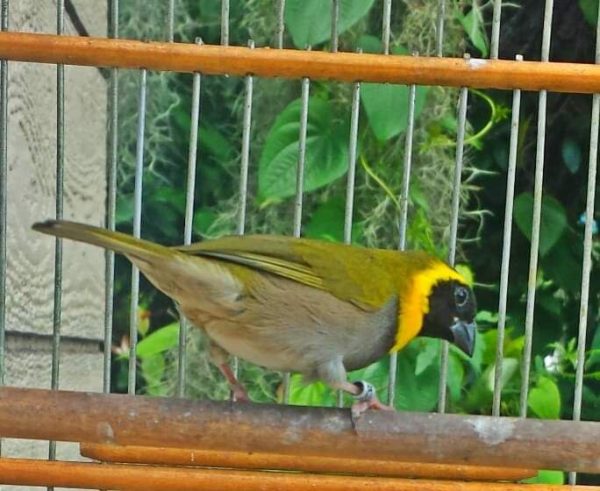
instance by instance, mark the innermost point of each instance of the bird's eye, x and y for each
(461, 295)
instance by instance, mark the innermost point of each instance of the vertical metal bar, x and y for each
(171, 21)
(189, 217)
(58, 249)
(245, 164)
(137, 225)
(225, 22)
(298, 199)
(587, 249)
(460, 145)
(280, 22)
(385, 25)
(335, 16)
(408, 148)
(111, 198)
(439, 34)
(3, 192)
(537, 215)
(496, 19)
(506, 243)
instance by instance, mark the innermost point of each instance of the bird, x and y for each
(300, 305)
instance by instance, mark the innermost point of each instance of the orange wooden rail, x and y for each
(328, 465)
(128, 477)
(265, 62)
(291, 430)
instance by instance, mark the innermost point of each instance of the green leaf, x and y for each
(544, 399)
(153, 370)
(124, 210)
(386, 106)
(159, 341)
(416, 392)
(315, 394)
(214, 142)
(571, 154)
(326, 151)
(456, 375)
(203, 219)
(429, 354)
(327, 222)
(309, 21)
(590, 10)
(547, 477)
(553, 222)
(509, 368)
(473, 25)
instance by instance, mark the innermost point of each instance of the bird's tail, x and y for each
(116, 241)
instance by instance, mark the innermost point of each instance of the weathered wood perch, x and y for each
(288, 63)
(291, 430)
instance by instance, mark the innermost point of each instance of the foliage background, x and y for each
(382, 129)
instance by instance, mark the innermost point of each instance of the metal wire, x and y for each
(225, 22)
(335, 16)
(189, 217)
(496, 20)
(385, 25)
(280, 22)
(58, 248)
(137, 225)
(537, 215)
(587, 249)
(245, 164)
(299, 196)
(460, 145)
(171, 21)
(439, 31)
(3, 193)
(506, 243)
(111, 199)
(407, 164)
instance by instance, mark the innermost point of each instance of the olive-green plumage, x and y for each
(301, 305)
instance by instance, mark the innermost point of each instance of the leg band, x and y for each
(367, 391)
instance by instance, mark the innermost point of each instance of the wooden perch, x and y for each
(142, 477)
(328, 465)
(290, 430)
(287, 63)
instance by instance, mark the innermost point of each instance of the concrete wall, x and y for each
(31, 191)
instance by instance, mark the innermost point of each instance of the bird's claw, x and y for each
(366, 399)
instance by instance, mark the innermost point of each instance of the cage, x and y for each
(64, 72)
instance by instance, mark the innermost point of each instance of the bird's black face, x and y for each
(451, 315)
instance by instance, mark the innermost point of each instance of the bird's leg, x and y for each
(364, 395)
(237, 389)
(220, 358)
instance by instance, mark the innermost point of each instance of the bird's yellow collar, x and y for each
(414, 304)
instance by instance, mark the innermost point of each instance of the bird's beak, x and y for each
(464, 335)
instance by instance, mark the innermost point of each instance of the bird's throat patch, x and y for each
(414, 304)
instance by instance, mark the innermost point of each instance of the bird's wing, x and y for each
(350, 273)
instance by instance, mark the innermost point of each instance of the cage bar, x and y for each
(111, 199)
(385, 25)
(439, 34)
(3, 194)
(225, 22)
(506, 243)
(352, 154)
(587, 250)
(171, 21)
(537, 216)
(137, 225)
(496, 22)
(280, 23)
(335, 16)
(188, 220)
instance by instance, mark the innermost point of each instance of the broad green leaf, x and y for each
(386, 106)
(429, 353)
(416, 393)
(590, 10)
(553, 222)
(314, 394)
(153, 370)
(159, 341)
(547, 477)
(456, 375)
(544, 399)
(594, 355)
(509, 368)
(327, 222)
(571, 154)
(202, 221)
(326, 151)
(309, 21)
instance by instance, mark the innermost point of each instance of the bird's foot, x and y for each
(366, 398)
